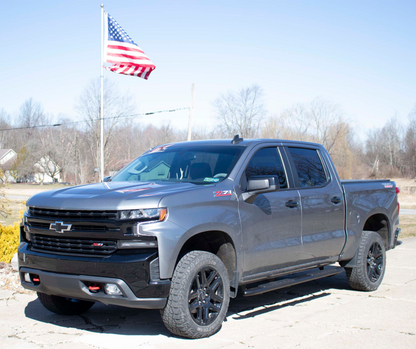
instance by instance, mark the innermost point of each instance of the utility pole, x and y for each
(191, 109)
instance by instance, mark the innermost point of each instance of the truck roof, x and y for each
(244, 142)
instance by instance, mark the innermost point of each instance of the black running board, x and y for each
(292, 280)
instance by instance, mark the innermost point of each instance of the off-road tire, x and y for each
(64, 306)
(189, 304)
(371, 263)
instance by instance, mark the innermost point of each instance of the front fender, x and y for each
(171, 236)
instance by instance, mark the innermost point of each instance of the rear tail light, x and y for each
(398, 205)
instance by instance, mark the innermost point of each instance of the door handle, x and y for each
(335, 200)
(291, 204)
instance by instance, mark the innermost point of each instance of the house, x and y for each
(7, 159)
(41, 170)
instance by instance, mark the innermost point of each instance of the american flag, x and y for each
(123, 53)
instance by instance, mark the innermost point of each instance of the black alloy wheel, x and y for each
(199, 296)
(206, 296)
(375, 262)
(370, 263)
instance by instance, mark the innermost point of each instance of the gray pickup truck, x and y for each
(186, 226)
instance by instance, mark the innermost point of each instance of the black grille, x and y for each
(71, 245)
(75, 227)
(65, 214)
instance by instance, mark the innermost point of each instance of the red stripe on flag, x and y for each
(141, 64)
(115, 47)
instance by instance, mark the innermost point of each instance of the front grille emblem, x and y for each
(60, 227)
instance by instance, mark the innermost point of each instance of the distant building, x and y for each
(39, 175)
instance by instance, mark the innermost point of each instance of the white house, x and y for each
(40, 171)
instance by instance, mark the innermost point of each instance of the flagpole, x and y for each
(102, 96)
(191, 110)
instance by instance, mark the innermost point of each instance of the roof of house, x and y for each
(3, 152)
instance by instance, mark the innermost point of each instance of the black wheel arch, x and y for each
(218, 243)
(378, 223)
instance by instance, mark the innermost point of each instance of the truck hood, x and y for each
(110, 195)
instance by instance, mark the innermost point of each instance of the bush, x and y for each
(9, 241)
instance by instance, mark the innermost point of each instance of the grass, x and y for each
(408, 226)
(16, 206)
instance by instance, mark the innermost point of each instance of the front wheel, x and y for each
(371, 263)
(199, 296)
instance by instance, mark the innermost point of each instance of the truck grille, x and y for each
(75, 227)
(73, 245)
(75, 214)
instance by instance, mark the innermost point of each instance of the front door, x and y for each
(272, 223)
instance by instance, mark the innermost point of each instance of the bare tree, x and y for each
(241, 112)
(4, 124)
(116, 105)
(384, 149)
(409, 144)
(22, 166)
(319, 121)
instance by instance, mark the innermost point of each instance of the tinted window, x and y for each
(267, 161)
(309, 167)
(196, 164)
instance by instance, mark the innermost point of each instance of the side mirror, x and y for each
(260, 184)
(107, 179)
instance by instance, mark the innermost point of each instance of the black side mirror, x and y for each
(107, 179)
(260, 184)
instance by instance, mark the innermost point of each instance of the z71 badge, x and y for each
(222, 193)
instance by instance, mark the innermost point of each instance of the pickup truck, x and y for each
(187, 226)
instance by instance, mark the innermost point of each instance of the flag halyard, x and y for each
(124, 55)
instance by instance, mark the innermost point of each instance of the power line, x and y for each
(131, 116)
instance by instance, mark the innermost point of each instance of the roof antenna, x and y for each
(236, 139)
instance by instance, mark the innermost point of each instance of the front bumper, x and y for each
(76, 286)
(134, 271)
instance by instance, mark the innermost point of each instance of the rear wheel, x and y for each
(199, 296)
(371, 263)
(64, 306)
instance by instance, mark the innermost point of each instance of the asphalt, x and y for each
(325, 313)
(407, 211)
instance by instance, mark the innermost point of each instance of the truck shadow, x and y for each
(118, 320)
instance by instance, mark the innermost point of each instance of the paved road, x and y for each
(407, 211)
(321, 314)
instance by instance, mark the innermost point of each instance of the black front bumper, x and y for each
(67, 275)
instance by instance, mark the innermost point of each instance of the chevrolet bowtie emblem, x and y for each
(60, 227)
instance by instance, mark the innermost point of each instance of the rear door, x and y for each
(322, 204)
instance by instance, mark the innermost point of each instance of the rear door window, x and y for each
(309, 167)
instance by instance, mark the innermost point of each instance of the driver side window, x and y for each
(267, 161)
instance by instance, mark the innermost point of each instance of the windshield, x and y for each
(199, 164)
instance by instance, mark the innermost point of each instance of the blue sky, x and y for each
(360, 54)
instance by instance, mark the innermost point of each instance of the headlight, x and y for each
(145, 214)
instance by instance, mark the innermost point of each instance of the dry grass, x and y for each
(15, 207)
(407, 196)
(408, 226)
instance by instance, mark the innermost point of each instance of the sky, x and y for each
(359, 54)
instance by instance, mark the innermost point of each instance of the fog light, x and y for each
(112, 290)
(27, 277)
